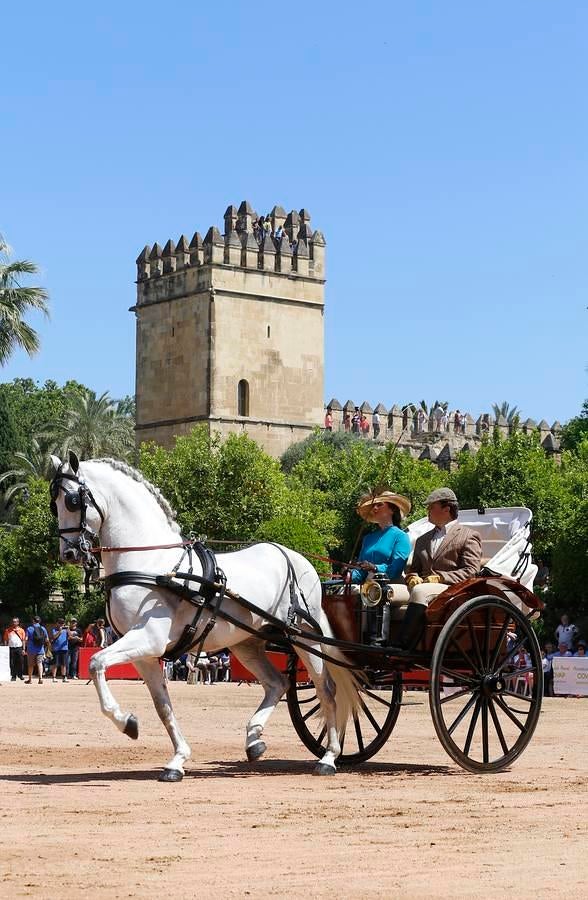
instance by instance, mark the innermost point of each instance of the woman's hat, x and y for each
(364, 507)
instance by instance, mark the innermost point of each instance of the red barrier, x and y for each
(125, 671)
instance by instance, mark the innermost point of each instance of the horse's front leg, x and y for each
(252, 654)
(135, 645)
(152, 673)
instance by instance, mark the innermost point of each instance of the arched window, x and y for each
(243, 398)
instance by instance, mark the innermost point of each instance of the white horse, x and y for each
(108, 498)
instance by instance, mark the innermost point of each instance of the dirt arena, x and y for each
(82, 812)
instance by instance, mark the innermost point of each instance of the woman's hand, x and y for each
(367, 566)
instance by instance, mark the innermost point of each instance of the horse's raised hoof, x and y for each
(131, 729)
(171, 775)
(255, 751)
(323, 769)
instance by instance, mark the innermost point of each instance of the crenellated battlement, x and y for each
(439, 434)
(278, 243)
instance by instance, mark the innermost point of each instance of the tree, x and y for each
(93, 426)
(36, 464)
(512, 414)
(576, 430)
(224, 490)
(16, 300)
(516, 472)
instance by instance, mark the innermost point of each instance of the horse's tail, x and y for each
(346, 682)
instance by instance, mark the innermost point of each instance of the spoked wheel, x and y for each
(366, 732)
(486, 688)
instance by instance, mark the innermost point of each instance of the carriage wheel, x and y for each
(366, 732)
(484, 705)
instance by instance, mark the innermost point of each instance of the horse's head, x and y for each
(78, 514)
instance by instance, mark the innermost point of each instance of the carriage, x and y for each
(478, 653)
(478, 656)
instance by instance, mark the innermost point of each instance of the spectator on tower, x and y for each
(60, 649)
(15, 639)
(438, 418)
(566, 633)
(420, 420)
(456, 421)
(364, 425)
(376, 425)
(444, 420)
(346, 422)
(355, 420)
(329, 419)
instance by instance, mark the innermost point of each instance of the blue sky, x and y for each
(440, 147)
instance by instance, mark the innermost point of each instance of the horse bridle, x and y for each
(78, 500)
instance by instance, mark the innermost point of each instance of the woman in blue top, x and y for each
(387, 549)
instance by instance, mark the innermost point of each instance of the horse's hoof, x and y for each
(255, 750)
(323, 769)
(171, 775)
(131, 729)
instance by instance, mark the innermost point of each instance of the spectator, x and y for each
(101, 633)
(376, 425)
(192, 677)
(91, 636)
(15, 639)
(74, 641)
(581, 651)
(180, 668)
(59, 649)
(566, 633)
(456, 421)
(546, 657)
(279, 233)
(562, 650)
(420, 420)
(212, 669)
(364, 425)
(444, 422)
(462, 423)
(346, 422)
(329, 419)
(542, 576)
(355, 420)
(224, 665)
(438, 418)
(203, 666)
(267, 225)
(36, 641)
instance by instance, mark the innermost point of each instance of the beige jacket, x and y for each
(458, 556)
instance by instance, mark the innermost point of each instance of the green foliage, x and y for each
(297, 534)
(576, 430)
(93, 426)
(516, 472)
(335, 440)
(570, 567)
(221, 489)
(16, 301)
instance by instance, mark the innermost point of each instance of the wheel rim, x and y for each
(486, 690)
(365, 733)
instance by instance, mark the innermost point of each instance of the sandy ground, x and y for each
(82, 811)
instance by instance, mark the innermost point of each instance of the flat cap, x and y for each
(441, 494)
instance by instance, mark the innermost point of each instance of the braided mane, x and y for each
(123, 467)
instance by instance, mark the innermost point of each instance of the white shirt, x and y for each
(13, 640)
(439, 533)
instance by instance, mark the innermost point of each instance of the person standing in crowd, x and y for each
(355, 420)
(101, 633)
(14, 639)
(456, 421)
(346, 421)
(566, 633)
(74, 641)
(420, 420)
(364, 425)
(329, 419)
(91, 636)
(376, 425)
(60, 649)
(444, 421)
(36, 641)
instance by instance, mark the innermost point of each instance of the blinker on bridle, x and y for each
(76, 500)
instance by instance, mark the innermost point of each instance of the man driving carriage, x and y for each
(447, 554)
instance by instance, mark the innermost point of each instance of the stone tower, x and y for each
(230, 331)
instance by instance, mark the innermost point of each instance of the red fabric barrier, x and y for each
(125, 671)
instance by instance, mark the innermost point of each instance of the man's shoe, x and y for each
(40, 681)
(13, 678)
(411, 630)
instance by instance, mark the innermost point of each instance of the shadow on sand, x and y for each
(224, 769)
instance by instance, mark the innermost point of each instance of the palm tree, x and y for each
(37, 464)
(93, 426)
(15, 301)
(510, 413)
(441, 404)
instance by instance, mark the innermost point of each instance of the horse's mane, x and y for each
(123, 467)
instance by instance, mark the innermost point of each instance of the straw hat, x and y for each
(364, 507)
